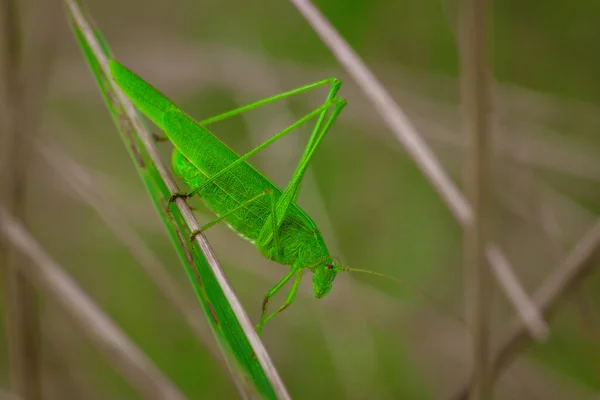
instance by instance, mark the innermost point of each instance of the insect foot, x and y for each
(194, 234)
(179, 195)
(159, 138)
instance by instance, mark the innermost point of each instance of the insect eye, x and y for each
(330, 266)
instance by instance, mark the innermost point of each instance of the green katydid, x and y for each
(239, 194)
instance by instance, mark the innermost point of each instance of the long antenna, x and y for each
(443, 306)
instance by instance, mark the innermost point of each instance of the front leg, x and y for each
(264, 319)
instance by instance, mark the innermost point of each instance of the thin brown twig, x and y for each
(27, 78)
(22, 314)
(475, 106)
(545, 220)
(584, 307)
(136, 368)
(424, 158)
(557, 287)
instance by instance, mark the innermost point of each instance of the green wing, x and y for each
(144, 96)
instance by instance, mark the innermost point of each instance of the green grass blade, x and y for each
(231, 326)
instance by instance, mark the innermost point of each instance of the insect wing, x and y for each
(144, 96)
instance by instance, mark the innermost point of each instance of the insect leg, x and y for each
(267, 143)
(335, 85)
(222, 217)
(313, 143)
(290, 194)
(288, 301)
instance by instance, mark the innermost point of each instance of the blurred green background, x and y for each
(368, 339)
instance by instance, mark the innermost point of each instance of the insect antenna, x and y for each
(386, 276)
(427, 296)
